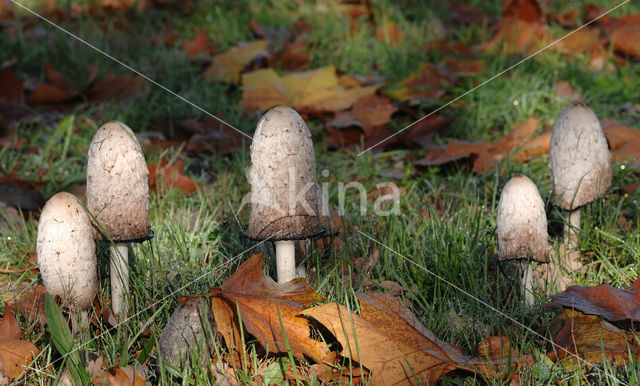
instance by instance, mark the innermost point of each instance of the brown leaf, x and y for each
(31, 305)
(520, 26)
(210, 136)
(613, 304)
(427, 83)
(201, 44)
(423, 132)
(61, 82)
(590, 338)
(121, 87)
(267, 308)
(565, 90)
(294, 55)
(388, 345)
(15, 354)
(368, 111)
(228, 65)
(171, 177)
(12, 87)
(496, 347)
(9, 328)
(316, 90)
(226, 322)
(585, 39)
(626, 39)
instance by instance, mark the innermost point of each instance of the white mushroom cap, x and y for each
(66, 251)
(117, 183)
(285, 204)
(579, 157)
(522, 221)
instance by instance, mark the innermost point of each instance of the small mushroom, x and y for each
(522, 228)
(66, 253)
(580, 163)
(285, 196)
(118, 197)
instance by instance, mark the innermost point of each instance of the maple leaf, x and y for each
(520, 26)
(227, 66)
(268, 308)
(368, 111)
(614, 304)
(316, 90)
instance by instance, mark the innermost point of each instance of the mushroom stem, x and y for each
(119, 279)
(527, 284)
(80, 321)
(571, 227)
(285, 260)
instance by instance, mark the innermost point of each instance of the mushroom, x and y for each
(522, 228)
(66, 253)
(580, 163)
(118, 197)
(285, 196)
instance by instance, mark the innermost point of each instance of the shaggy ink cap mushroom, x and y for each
(117, 184)
(579, 157)
(285, 198)
(66, 251)
(521, 221)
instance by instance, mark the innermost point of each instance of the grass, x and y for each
(199, 236)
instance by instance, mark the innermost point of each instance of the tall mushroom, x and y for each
(66, 253)
(118, 197)
(285, 197)
(522, 228)
(580, 163)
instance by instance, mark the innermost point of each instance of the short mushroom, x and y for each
(66, 253)
(118, 197)
(522, 228)
(580, 163)
(285, 197)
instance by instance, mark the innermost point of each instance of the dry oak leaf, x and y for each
(588, 337)
(228, 65)
(30, 305)
(119, 87)
(268, 308)
(315, 90)
(15, 355)
(171, 177)
(9, 328)
(392, 348)
(613, 304)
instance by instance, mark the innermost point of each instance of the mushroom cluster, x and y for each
(117, 211)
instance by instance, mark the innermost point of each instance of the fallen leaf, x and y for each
(119, 87)
(9, 328)
(424, 131)
(31, 305)
(15, 355)
(613, 304)
(171, 177)
(316, 90)
(201, 44)
(519, 27)
(427, 83)
(226, 322)
(589, 338)
(228, 65)
(12, 87)
(267, 308)
(392, 348)
(626, 40)
(468, 14)
(565, 90)
(483, 155)
(463, 67)
(294, 55)
(369, 111)
(496, 347)
(585, 39)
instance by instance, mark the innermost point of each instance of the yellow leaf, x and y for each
(228, 65)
